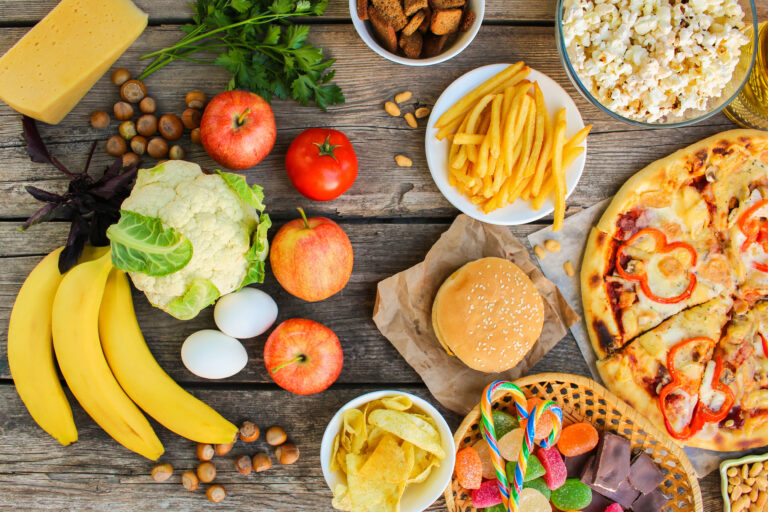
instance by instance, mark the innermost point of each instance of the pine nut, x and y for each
(403, 96)
(411, 120)
(392, 109)
(403, 161)
(422, 112)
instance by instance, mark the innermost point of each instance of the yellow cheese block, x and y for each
(50, 69)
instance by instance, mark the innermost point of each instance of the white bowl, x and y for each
(417, 497)
(462, 40)
(519, 212)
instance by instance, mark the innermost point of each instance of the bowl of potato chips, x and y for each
(387, 451)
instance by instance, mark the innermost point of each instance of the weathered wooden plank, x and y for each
(616, 150)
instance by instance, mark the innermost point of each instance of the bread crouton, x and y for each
(413, 6)
(392, 12)
(362, 9)
(433, 45)
(467, 20)
(414, 23)
(411, 44)
(446, 4)
(445, 21)
(385, 33)
(424, 27)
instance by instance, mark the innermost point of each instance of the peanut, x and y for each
(730, 489)
(744, 471)
(756, 469)
(162, 472)
(392, 109)
(735, 480)
(403, 96)
(741, 504)
(732, 471)
(540, 253)
(750, 481)
(745, 488)
(421, 112)
(762, 482)
(736, 494)
(552, 245)
(762, 500)
(753, 495)
(411, 120)
(568, 267)
(403, 161)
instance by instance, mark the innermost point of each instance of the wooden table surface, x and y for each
(391, 214)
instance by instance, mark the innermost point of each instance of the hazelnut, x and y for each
(133, 91)
(287, 453)
(120, 76)
(243, 464)
(127, 130)
(146, 125)
(190, 481)
(195, 99)
(216, 493)
(249, 432)
(206, 472)
(162, 472)
(123, 111)
(191, 118)
(157, 147)
(176, 152)
(139, 146)
(99, 119)
(116, 145)
(204, 451)
(148, 105)
(194, 136)
(130, 160)
(170, 127)
(261, 462)
(276, 435)
(223, 449)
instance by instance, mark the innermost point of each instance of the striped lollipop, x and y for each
(510, 495)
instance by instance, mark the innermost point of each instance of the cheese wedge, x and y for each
(48, 71)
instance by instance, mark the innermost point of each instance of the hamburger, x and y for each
(488, 314)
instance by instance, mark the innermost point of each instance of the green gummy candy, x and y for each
(535, 469)
(572, 495)
(540, 485)
(495, 508)
(503, 423)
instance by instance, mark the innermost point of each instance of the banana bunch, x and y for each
(86, 317)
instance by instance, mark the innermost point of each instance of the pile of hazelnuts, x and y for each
(285, 453)
(148, 134)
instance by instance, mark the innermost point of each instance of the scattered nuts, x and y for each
(287, 453)
(243, 464)
(403, 161)
(170, 127)
(194, 136)
(99, 119)
(276, 435)
(123, 111)
(120, 76)
(206, 472)
(540, 253)
(392, 109)
(552, 245)
(261, 462)
(162, 472)
(191, 118)
(139, 145)
(216, 493)
(148, 105)
(146, 125)
(249, 432)
(403, 96)
(205, 451)
(157, 147)
(568, 267)
(116, 145)
(176, 152)
(190, 481)
(223, 449)
(130, 159)
(411, 120)
(133, 91)
(195, 99)
(421, 112)
(127, 130)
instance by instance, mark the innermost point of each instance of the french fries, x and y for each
(504, 145)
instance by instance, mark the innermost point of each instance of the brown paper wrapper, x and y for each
(403, 311)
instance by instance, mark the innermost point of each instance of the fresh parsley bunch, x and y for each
(257, 41)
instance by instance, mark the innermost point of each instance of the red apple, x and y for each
(303, 356)
(238, 129)
(311, 258)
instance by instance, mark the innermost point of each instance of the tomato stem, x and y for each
(298, 359)
(303, 216)
(326, 148)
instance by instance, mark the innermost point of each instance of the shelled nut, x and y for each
(249, 432)
(261, 462)
(120, 76)
(287, 453)
(216, 493)
(122, 110)
(190, 481)
(206, 472)
(205, 451)
(162, 472)
(276, 435)
(133, 91)
(116, 145)
(99, 119)
(195, 99)
(243, 464)
(148, 105)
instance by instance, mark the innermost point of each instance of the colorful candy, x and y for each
(485, 458)
(535, 469)
(487, 495)
(496, 508)
(572, 495)
(469, 468)
(556, 473)
(614, 507)
(504, 423)
(532, 500)
(540, 485)
(544, 426)
(577, 439)
(509, 445)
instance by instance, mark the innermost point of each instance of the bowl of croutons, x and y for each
(417, 32)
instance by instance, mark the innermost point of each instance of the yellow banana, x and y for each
(144, 380)
(81, 359)
(30, 351)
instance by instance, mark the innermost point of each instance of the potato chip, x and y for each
(353, 430)
(387, 463)
(397, 403)
(409, 427)
(423, 464)
(370, 495)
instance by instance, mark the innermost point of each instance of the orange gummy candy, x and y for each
(577, 439)
(544, 426)
(469, 468)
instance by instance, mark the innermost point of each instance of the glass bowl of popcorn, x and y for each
(660, 63)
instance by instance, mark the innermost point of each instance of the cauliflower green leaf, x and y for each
(141, 244)
(253, 196)
(257, 254)
(200, 294)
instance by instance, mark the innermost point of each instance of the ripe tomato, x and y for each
(321, 163)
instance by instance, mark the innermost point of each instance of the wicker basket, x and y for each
(583, 399)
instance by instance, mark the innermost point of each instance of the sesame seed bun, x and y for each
(488, 314)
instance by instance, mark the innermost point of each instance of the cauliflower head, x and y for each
(186, 237)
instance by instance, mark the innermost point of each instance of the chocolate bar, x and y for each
(575, 465)
(651, 502)
(624, 495)
(611, 462)
(598, 504)
(588, 471)
(644, 474)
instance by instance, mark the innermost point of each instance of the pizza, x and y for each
(675, 290)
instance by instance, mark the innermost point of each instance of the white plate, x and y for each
(519, 212)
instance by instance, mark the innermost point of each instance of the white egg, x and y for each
(245, 313)
(213, 355)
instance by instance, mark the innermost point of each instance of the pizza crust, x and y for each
(598, 313)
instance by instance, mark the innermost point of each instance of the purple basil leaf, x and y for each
(36, 147)
(43, 195)
(112, 171)
(78, 234)
(90, 157)
(41, 215)
(112, 186)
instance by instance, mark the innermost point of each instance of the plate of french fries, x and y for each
(506, 145)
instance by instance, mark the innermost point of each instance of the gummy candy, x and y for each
(614, 507)
(496, 508)
(577, 439)
(572, 495)
(534, 470)
(532, 500)
(544, 426)
(487, 495)
(503, 423)
(469, 468)
(553, 463)
(509, 445)
(485, 458)
(540, 485)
